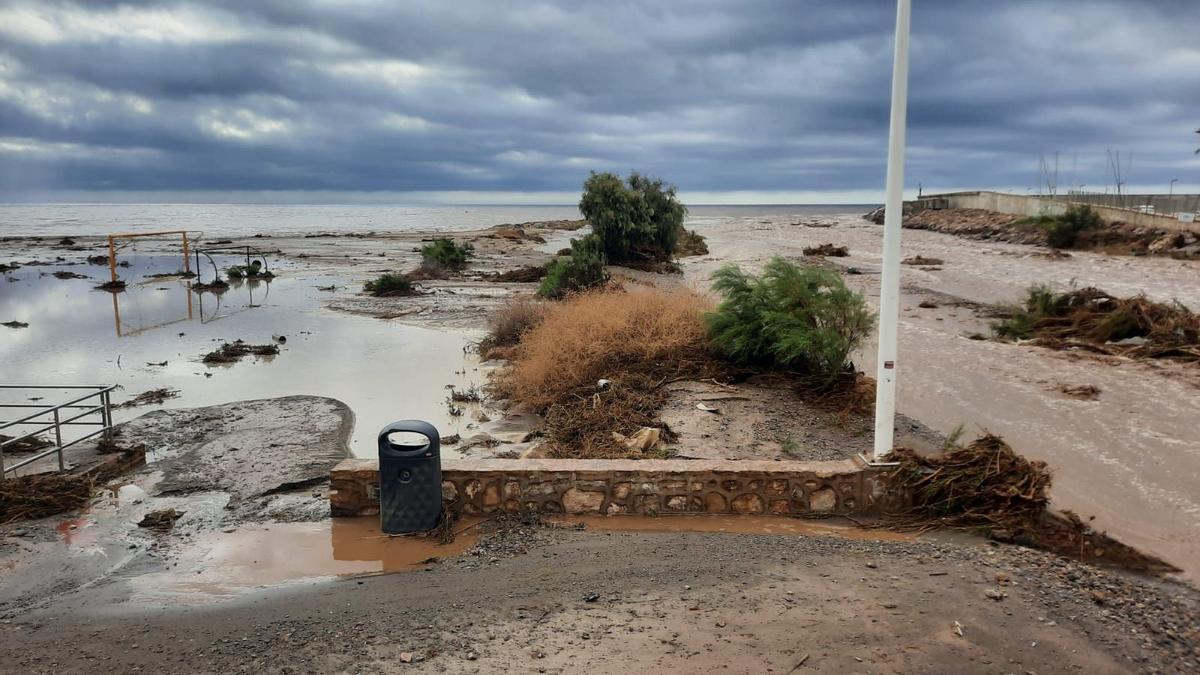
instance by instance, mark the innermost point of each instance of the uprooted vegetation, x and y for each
(27, 444)
(986, 485)
(827, 251)
(1090, 319)
(151, 397)
(528, 274)
(41, 495)
(231, 352)
(596, 365)
(636, 340)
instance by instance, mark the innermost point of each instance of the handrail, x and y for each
(104, 409)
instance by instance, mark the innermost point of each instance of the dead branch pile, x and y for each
(161, 520)
(41, 495)
(634, 341)
(152, 397)
(827, 251)
(921, 260)
(233, 351)
(529, 274)
(31, 444)
(1091, 319)
(983, 484)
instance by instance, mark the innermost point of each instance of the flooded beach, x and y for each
(155, 333)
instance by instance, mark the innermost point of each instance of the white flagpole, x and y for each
(889, 291)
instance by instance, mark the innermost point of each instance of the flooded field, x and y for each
(1130, 458)
(155, 333)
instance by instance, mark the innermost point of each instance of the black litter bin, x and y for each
(410, 479)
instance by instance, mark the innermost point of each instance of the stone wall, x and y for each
(643, 487)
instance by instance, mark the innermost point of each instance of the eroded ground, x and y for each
(1130, 458)
(582, 601)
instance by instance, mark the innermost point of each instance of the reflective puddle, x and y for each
(154, 334)
(227, 564)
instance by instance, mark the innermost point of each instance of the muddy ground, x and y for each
(218, 468)
(580, 601)
(1130, 458)
(559, 600)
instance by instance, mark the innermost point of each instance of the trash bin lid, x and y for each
(411, 447)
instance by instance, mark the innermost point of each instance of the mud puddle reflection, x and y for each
(228, 564)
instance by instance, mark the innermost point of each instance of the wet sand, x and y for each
(1131, 458)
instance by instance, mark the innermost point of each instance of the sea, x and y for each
(278, 219)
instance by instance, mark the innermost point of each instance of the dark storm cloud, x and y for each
(528, 96)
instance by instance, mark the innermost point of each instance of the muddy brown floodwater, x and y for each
(1131, 458)
(222, 565)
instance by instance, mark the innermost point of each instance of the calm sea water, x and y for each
(249, 219)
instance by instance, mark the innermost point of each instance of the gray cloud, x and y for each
(528, 96)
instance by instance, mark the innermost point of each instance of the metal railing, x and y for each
(60, 415)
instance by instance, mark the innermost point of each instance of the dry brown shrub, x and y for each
(507, 324)
(638, 338)
(605, 333)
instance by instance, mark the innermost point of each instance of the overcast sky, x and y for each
(753, 100)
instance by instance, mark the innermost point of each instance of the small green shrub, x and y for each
(390, 285)
(790, 317)
(447, 253)
(252, 271)
(1063, 230)
(637, 219)
(584, 268)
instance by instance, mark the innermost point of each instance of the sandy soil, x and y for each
(1131, 458)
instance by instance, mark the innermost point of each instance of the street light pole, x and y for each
(889, 290)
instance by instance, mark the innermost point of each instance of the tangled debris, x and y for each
(15, 324)
(41, 495)
(922, 261)
(231, 352)
(217, 285)
(171, 275)
(529, 274)
(1083, 392)
(30, 444)
(161, 520)
(118, 285)
(152, 397)
(827, 251)
(64, 274)
(986, 485)
(983, 484)
(1090, 319)
(690, 243)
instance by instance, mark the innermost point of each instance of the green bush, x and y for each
(636, 220)
(390, 285)
(791, 317)
(446, 253)
(1063, 230)
(584, 268)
